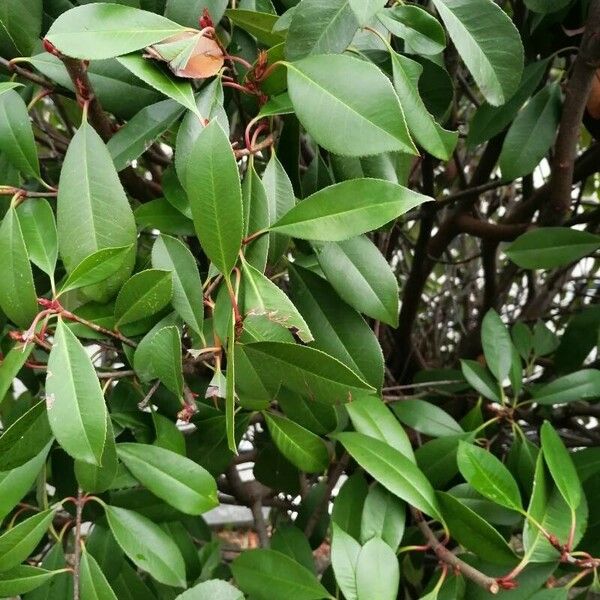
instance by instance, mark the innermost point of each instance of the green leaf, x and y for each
(320, 27)
(291, 541)
(348, 106)
(497, 345)
(93, 583)
(16, 135)
(140, 132)
(561, 467)
(214, 589)
(143, 295)
(19, 29)
(18, 298)
(383, 516)
(186, 12)
(532, 133)
(25, 438)
(347, 209)
(96, 479)
(58, 586)
(9, 85)
(417, 27)
(488, 475)
(370, 416)
(300, 446)
(170, 254)
(338, 329)
(213, 186)
(92, 209)
(393, 470)
(230, 386)
(258, 24)
(166, 358)
(362, 277)
(148, 72)
(74, 399)
(262, 297)
(475, 27)
(550, 247)
(544, 7)
(147, 545)
(474, 533)
(480, 379)
(174, 478)
(100, 30)
(306, 370)
(349, 502)
(377, 571)
(581, 385)
(23, 579)
(268, 574)
(428, 134)
(426, 418)
(344, 558)
(20, 541)
(97, 267)
(256, 218)
(38, 226)
(159, 214)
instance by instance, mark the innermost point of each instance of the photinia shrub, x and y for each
(299, 299)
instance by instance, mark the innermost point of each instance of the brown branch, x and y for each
(499, 232)
(26, 74)
(67, 314)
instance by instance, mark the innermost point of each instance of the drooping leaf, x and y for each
(213, 186)
(74, 399)
(93, 581)
(347, 209)
(344, 558)
(474, 27)
(377, 571)
(174, 478)
(348, 106)
(102, 30)
(38, 227)
(383, 516)
(147, 545)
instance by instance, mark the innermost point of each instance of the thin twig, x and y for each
(77, 550)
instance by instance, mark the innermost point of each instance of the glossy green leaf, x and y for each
(349, 502)
(488, 475)
(19, 29)
(23, 579)
(560, 464)
(174, 193)
(213, 186)
(348, 106)
(215, 589)
(344, 558)
(147, 545)
(393, 470)
(377, 571)
(265, 574)
(93, 582)
(370, 416)
(581, 385)
(497, 345)
(551, 247)
(262, 297)
(306, 370)
(256, 218)
(362, 277)
(474, 27)
(17, 543)
(532, 133)
(258, 24)
(230, 386)
(383, 516)
(143, 295)
(92, 209)
(166, 358)
(38, 227)
(338, 329)
(159, 214)
(174, 478)
(148, 72)
(16, 135)
(139, 133)
(480, 379)
(74, 399)
(102, 30)
(172, 255)
(18, 298)
(320, 27)
(347, 209)
(426, 418)
(290, 540)
(97, 267)
(418, 28)
(186, 12)
(25, 438)
(299, 445)
(474, 533)
(58, 586)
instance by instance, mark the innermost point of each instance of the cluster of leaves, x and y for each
(220, 247)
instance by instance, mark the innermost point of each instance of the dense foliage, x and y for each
(334, 261)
